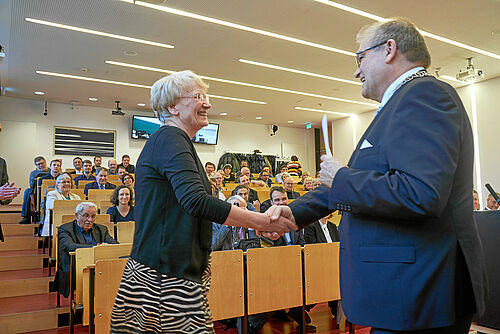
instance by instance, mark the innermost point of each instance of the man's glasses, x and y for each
(237, 204)
(359, 54)
(198, 96)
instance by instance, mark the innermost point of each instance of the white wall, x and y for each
(488, 125)
(27, 133)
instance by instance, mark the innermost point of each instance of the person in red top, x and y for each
(294, 166)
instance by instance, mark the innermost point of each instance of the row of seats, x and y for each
(307, 275)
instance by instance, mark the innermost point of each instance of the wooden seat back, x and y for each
(227, 285)
(104, 206)
(113, 178)
(263, 195)
(274, 278)
(108, 275)
(125, 232)
(116, 183)
(99, 195)
(79, 192)
(230, 186)
(83, 183)
(321, 268)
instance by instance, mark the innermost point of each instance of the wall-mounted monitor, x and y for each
(144, 126)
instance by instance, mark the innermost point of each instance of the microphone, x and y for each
(492, 192)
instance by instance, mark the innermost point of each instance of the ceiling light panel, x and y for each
(323, 111)
(121, 83)
(282, 90)
(96, 32)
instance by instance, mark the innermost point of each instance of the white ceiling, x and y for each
(213, 50)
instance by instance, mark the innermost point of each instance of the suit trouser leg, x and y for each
(461, 326)
(26, 204)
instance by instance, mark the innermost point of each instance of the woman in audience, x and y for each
(316, 183)
(303, 177)
(122, 209)
(228, 175)
(169, 266)
(308, 184)
(128, 180)
(62, 192)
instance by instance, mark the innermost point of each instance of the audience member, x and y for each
(62, 192)
(223, 236)
(277, 196)
(122, 209)
(308, 184)
(491, 204)
(322, 231)
(27, 209)
(244, 164)
(101, 181)
(121, 172)
(78, 165)
(294, 167)
(112, 167)
(97, 163)
(219, 185)
(288, 184)
(55, 170)
(278, 178)
(228, 175)
(80, 233)
(317, 175)
(475, 196)
(316, 183)
(127, 165)
(246, 171)
(128, 180)
(242, 191)
(303, 176)
(87, 173)
(210, 169)
(264, 176)
(268, 169)
(253, 198)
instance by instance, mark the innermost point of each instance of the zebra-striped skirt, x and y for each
(151, 302)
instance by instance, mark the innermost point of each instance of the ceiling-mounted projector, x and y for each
(470, 74)
(118, 111)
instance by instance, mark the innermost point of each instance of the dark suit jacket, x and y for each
(70, 239)
(296, 237)
(407, 213)
(95, 185)
(313, 234)
(265, 205)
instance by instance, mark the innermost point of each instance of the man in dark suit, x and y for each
(80, 233)
(127, 165)
(288, 184)
(101, 181)
(411, 257)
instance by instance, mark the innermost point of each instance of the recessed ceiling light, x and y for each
(100, 33)
(69, 76)
(130, 53)
(241, 27)
(281, 68)
(258, 117)
(223, 114)
(154, 69)
(323, 111)
(424, 33)
(93, 99)
(290, 121)
(141, 104)
(39, 93)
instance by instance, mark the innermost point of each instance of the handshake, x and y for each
(281, 220)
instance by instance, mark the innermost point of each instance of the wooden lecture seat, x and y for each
(321, 267)
(79, 192)
(104, 206)
(113, 178)
(125, 232)
(82, 183)
(99, 195)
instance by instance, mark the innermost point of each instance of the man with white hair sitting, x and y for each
(80, 233)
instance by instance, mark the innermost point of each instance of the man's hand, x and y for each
(329, 168)
(8, 191)
(282, 221)
(259, 183)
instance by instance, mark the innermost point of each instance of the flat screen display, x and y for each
(144, 126)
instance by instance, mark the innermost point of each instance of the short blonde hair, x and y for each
(167, 91)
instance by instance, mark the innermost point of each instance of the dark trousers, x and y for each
(25, 209)
(461, 326)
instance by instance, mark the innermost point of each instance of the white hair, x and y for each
(83, 206)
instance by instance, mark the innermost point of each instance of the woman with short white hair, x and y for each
(62, 192)
(165, 282)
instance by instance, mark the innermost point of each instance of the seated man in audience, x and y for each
(121, 172)
(288, 184)
(224, 237)
(218, 179)
(210, 169)
(80, 233)
(244, 181)
(127, 165)
(277, 196)
(78, 164)
(242, 191)
(87, 173)
(40, 170)
(228, 173)
(475, 196)
(97, 163)
(279, 178)
(55, 170)
(322, 231)
(491, 204)
(246, 171)
(112, 167)
(264, 176)
(268, 169)
(101, 181)
(244, 164)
